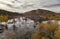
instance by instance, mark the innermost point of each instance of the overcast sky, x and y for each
(28, 5)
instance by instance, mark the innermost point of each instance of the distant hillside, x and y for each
(10, 14)
(38, 14)
(42, 14)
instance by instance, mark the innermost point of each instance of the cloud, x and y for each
(27, 5)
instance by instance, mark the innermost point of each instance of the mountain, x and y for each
(10, 14)
(42, 14)
(39, 14)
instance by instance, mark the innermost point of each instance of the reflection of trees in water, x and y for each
(24, 31)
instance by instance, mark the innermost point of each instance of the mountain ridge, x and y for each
(41, 13)
(10, 14)
(34, 14)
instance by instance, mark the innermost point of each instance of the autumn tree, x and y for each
(57, 34)
(38, 34)
(3, 18)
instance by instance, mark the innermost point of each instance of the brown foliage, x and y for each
(51, 27)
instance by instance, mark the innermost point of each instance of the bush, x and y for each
(3, 18)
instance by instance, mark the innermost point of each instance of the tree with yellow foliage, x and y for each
(51, 27)
(6, 18)
(38, 34)
(40, 26)
(57, 33)
(3, 18)
(35, 35)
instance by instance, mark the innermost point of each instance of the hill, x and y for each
(37, 15)
(10, 14)
(42, 14)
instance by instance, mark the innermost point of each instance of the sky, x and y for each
(22, 6)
